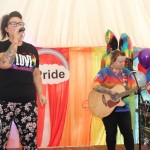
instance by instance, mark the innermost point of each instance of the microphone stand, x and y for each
(139, 107)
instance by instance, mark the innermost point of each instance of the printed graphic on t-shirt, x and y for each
(24, 62)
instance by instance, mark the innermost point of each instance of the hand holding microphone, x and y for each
(18, 34)
(22, 29)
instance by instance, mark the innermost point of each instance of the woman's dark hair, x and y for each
(114, 54)
(4, 22)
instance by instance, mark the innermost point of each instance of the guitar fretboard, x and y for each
(125, 93)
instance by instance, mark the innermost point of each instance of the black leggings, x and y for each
(25, 118)
(123, 120)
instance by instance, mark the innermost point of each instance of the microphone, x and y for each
(22, 29)
(133, 72)
(129, 59)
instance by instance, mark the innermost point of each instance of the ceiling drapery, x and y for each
(71, 23)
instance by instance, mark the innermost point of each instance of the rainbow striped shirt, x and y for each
(108, 78)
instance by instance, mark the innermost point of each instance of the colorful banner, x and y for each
(54, 69)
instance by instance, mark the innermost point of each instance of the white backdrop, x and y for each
(69, 23)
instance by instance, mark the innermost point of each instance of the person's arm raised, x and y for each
(7, 58)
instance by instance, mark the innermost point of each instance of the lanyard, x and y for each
(121, 77)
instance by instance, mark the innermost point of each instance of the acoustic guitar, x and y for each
(102, 104)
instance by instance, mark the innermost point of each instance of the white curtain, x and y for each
(70, 23)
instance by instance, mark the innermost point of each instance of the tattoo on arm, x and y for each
(102, 89)
(9, 56)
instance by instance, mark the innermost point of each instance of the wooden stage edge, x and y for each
(98, 147)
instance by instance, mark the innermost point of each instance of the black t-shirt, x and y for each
(16, 83)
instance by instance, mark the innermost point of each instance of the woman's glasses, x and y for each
(15, 24)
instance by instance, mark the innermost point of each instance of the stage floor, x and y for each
(118, 147)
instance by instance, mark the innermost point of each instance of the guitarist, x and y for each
(105, 80)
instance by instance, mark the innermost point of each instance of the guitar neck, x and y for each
(125, 93)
